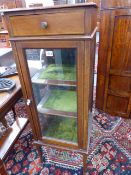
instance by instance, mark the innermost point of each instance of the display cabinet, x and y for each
(54, 50)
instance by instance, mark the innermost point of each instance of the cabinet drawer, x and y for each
(57, 24)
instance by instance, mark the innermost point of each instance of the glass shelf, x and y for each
(61, 128)
(56, 75)
(59, 102)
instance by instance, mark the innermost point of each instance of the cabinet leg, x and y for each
(84, 164)
(2, 168)
(39, 152)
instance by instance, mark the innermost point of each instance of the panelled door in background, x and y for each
(114, 67)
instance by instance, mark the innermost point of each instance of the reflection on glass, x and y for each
(53, 75)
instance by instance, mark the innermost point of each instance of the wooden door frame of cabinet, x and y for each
(28, 92)
(24, 91)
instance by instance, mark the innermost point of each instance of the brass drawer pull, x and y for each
(28, 102)
(43, 25)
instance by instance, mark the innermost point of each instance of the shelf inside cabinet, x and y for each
(59, 102)
(54, 82)
(61, 128)
(56, 75)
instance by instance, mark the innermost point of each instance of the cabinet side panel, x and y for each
(88, 88)
(90, 20)
(102, 61)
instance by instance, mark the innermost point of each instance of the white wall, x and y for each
(44, 2)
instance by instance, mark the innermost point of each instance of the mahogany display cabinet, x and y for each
(54, 50)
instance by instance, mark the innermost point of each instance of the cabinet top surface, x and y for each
(87, 5)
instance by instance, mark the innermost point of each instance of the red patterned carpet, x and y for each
(109, 152)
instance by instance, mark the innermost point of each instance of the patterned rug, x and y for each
(109, 152)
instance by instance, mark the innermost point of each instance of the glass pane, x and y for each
(53, 75)
(58, 127)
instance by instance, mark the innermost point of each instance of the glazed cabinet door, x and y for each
(114, 67)
(52, 77)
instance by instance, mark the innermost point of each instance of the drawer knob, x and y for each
(43, 25)
(28, 102)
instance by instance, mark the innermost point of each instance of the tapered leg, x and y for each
(2, 168)
(84, 163)
(39, 152)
